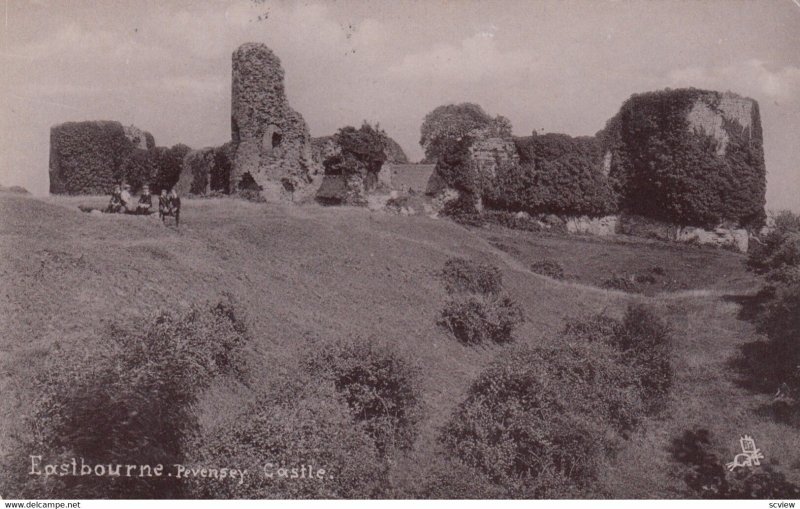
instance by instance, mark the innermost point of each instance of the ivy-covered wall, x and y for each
(551, 173)
(91, 157)
(688, 156)
(87, 157)
(557, 174)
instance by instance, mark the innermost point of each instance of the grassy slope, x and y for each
(309, 273)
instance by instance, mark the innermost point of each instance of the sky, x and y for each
(549, 66)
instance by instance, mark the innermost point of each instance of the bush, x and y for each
(462, 275)
(539, 422)
(477, 319)
(169, 163)
(362, 151)
(621, 282)
(452, 122)
(462, 210)
(380, 387)
(252, 195)
(549, 268)
(287, 427)
(449, 478)
(597, 329)
(128, 398)
(643, 342)
(646, 345)
(708, 478)
(778, 250)
(777, 257)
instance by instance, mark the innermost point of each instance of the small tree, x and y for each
(363, 151)
(453, 122)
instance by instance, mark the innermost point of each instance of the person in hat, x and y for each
(114, 204)
(125, 199)
(145, 202)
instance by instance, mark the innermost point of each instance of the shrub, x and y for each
(289, 426)
(646, 278)
(643, 342)
(362, 151)
(777, 257)
(646, 345)
(169, 164)
(621, 282)
(452, 122)
(539, 422)
(380, 387)
(462, 275)
(252, 195)
(449, 478)
(706, 476)
(462, 210)
(596, 329)
(778, 250)
(477, 319)
(549, 268)
(128, 398)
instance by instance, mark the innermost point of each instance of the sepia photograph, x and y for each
(408, 250)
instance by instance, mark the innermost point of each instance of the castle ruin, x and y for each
(271, 144)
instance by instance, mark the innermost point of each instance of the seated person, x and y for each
(114, 204)
(125, 199)
(145, 202)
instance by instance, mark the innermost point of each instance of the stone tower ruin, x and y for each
(271, 143)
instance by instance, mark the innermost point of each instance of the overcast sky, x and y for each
(562, 66)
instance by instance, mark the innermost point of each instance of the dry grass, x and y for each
(310, 272)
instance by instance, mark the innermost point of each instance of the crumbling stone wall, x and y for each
(140, 139)
(355, 164)
(270, 140)
(90, 157)
(489, 151)
(484, 150)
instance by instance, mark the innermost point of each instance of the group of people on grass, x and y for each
(122, 202)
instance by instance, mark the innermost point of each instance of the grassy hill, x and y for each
(305, 274)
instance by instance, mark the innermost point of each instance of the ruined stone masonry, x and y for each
(271, 142)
